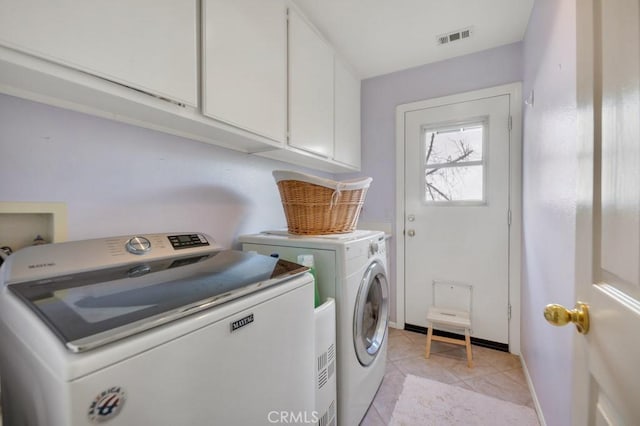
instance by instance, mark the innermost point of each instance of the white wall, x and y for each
(118, 179)
(549, 198)
(381, 95)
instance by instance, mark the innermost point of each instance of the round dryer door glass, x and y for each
(371, 314)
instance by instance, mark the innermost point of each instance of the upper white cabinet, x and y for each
(310, 89)
(250, 75)
(244, 64)
(347, 116)
(150, 45)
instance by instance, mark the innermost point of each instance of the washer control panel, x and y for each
(138, 245)
(187, 241)
(60, 259)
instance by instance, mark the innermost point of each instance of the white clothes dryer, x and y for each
(351, 268)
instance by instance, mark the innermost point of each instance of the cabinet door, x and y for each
(347, 116)
(245, 64)
(149, 45)
(310, 89)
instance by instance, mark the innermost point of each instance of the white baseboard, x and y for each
(536, 403)
(392, 324)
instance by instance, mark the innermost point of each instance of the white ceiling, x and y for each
(381, 36)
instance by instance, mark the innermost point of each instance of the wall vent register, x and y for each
(454, 36)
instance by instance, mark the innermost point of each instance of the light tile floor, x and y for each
(495, 373)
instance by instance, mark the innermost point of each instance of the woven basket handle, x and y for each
(335, 197)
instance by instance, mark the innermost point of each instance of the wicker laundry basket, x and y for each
(316, 206)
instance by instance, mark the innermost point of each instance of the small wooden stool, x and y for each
(451, 309)
(449, 318)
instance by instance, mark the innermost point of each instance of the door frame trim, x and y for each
(588, 103)
(514, 90)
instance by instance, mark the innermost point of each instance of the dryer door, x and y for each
(371, 314)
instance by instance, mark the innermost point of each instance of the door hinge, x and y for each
(509, 217)
(510, 125)
(509, 312)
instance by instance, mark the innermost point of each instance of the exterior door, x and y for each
(607, 381)
(457, 175)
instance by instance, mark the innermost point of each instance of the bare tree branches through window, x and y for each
(454, 169)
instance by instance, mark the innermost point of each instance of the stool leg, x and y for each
(467, 340)
(428, 348)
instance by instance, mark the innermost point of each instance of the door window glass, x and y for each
(454, 166)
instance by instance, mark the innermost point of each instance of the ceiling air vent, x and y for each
(454, 36)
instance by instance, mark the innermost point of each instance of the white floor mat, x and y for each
(427, 402)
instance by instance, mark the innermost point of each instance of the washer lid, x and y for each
(90, 309)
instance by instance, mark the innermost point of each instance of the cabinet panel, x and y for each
(310, 89)
(347, 116)
(245, 64)
(150, 45)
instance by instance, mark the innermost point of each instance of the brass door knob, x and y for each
(559, 315)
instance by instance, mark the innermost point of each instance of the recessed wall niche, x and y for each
(21, 223)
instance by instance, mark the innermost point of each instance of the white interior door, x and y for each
(607, 382)
(457, 171)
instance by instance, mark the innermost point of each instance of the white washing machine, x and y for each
(351, 268)
(162, 329)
